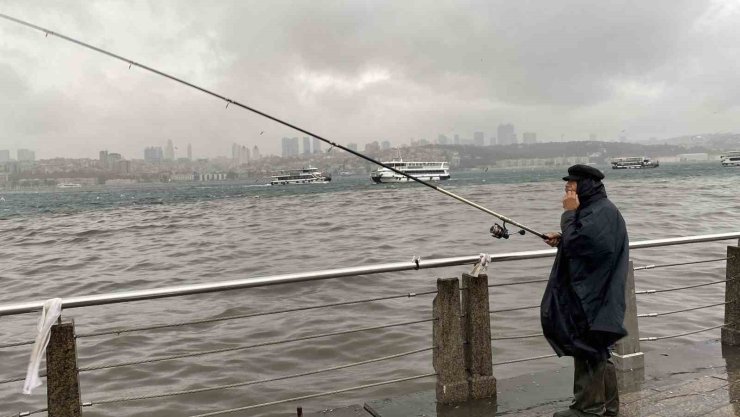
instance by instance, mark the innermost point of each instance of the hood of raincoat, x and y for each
(589, 190)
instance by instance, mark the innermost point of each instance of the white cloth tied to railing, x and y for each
(50, 313)
(482, 265)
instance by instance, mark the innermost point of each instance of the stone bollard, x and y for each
(627, 355)
(731, 329)
(448, 358)
(477, 333)
(62, 381)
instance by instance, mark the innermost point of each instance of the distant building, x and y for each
(239, 154)
(290, 147)
(479, 139)
(210, 176)
(114, 158)
(385, 145)
(153, 154)
(372, 147)
(26, 155)
(256, 152)
(505, 134)
(442, 140)
(529, 137)
(190, 152)
(352, 146)
(122, 166)
(169, 151)
(103, 157)
(183, 177)
(4, 156)
(316, 146)
(592, 136)
(456, 140)
(286, 147)
(306, 145)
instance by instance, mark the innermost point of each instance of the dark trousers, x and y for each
(595, 391)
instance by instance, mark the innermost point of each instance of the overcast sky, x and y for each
(357, 71)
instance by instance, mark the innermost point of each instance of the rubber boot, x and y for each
(588, 390)
(611, 390)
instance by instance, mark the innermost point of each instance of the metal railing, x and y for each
(175, 291)
(416, 264)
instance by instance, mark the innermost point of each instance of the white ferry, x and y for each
(427, 171)
(634, 162)
(68, 185)
(308, 175)
(730, 159)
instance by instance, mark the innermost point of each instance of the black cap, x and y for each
(577, 172)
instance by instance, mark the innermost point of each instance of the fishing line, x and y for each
(496, 230)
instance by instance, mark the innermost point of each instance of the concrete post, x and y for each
(731, 330)
(448, 359)
(62, 382)
(477, 333)
(627, 356)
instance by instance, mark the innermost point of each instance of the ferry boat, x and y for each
(730, 159)
(309, 175)
(68, 185)
(634, 162)
(427, 171)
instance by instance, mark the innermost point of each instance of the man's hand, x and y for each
(570, 201)
(553, 239)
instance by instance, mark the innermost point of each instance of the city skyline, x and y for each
(296, 147)
(563, 71)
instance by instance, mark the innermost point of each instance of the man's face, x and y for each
(571, 186)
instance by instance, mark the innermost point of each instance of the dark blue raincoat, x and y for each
(582, 310)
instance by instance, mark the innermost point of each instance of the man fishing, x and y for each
(583, 305)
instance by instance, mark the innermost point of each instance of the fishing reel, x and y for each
(501, 232)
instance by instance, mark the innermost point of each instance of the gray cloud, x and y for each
(360, 71)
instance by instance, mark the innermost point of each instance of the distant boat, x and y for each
(68, 185)
(309, 175)
(730, 159)
(634, 162)
(427, 171)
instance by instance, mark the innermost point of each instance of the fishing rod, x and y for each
(497, 231)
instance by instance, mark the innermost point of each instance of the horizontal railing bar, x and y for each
(321, 394)
(16, 344)
(654, 338)
(150, 294)
(533, 358)
(513, 309)
(665, 313)
(259, 381)
(246, 316)
(524, 336)
(641, 268)
(42, 374)
(11, 380)
(245, 347)
(505, 284)
(28, 413)
(686, 287)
